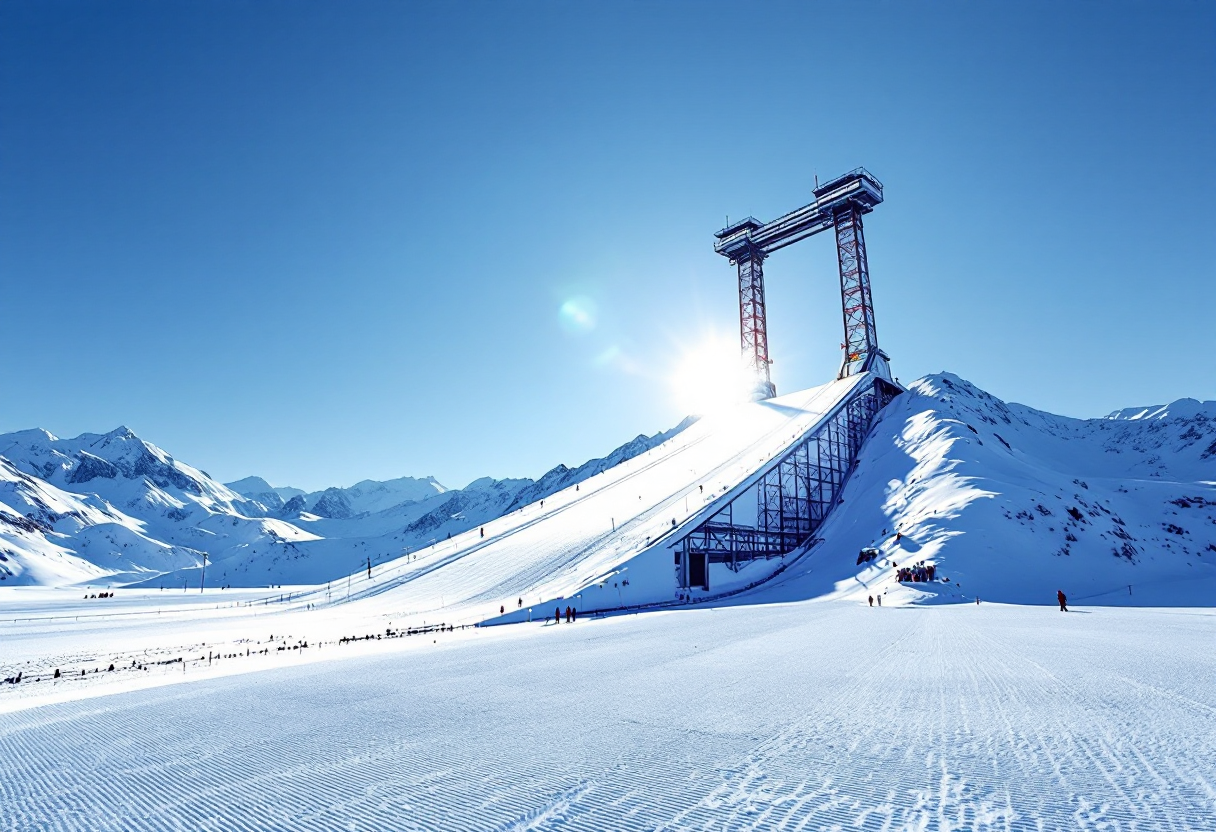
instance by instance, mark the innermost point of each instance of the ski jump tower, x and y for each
(778, 509)
(839, 204)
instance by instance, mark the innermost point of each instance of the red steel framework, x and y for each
(860, 339)
(753, 328)
(839, 204)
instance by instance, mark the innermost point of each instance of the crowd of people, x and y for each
(917, 573)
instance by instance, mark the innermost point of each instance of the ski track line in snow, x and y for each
(783, 717)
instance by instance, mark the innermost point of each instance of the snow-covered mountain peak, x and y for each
(1180, 409)
(250, 486)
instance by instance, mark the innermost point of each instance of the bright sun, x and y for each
(711, 377)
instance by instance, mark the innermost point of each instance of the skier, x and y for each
(1063, 599)
(521, 603)
(871, 600)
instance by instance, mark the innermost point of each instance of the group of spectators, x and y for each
(918, 573)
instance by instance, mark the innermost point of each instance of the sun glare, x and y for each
(710, 378)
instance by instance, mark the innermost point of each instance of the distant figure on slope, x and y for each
(573, 614)
(880, 600)
(521, 602)
(1063, 599)
(483, 531)
(502, 609)
(557, 616)
(871, 600)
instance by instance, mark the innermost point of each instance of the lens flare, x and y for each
(577, 315)
(711, 377)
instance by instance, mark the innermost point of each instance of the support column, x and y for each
(753, 329)
(860, 338)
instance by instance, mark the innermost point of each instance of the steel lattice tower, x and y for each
(839, 204)
(753, 326)
(860, 337)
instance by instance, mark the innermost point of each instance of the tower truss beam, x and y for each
(860, 338)
(753, 326)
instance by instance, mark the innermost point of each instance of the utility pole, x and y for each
(203, 577)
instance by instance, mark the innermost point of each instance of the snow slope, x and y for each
(251, 533)
(806, 716)
(586, 541)
(52, 536)
(1012, 504)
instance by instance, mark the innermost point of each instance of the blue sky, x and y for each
(322, 242)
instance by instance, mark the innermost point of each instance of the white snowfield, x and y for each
(807, 716)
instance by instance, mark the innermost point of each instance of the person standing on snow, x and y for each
(871, 600)
(557, 616)
(1063, 599)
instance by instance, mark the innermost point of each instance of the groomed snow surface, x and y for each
(814, 715)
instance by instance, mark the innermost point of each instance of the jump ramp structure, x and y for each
(721, 506)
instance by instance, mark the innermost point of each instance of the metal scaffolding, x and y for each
(782, 509)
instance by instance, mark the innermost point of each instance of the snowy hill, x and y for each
(52, 536)
(1013, 503)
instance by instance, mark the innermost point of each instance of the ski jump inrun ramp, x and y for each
(623, 538)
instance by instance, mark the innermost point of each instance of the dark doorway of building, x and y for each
(698, 571)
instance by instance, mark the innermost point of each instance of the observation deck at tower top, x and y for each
(749, 237)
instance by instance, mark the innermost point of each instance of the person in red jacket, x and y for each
(1063, 599)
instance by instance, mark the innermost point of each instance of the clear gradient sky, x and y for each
(322, 242)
